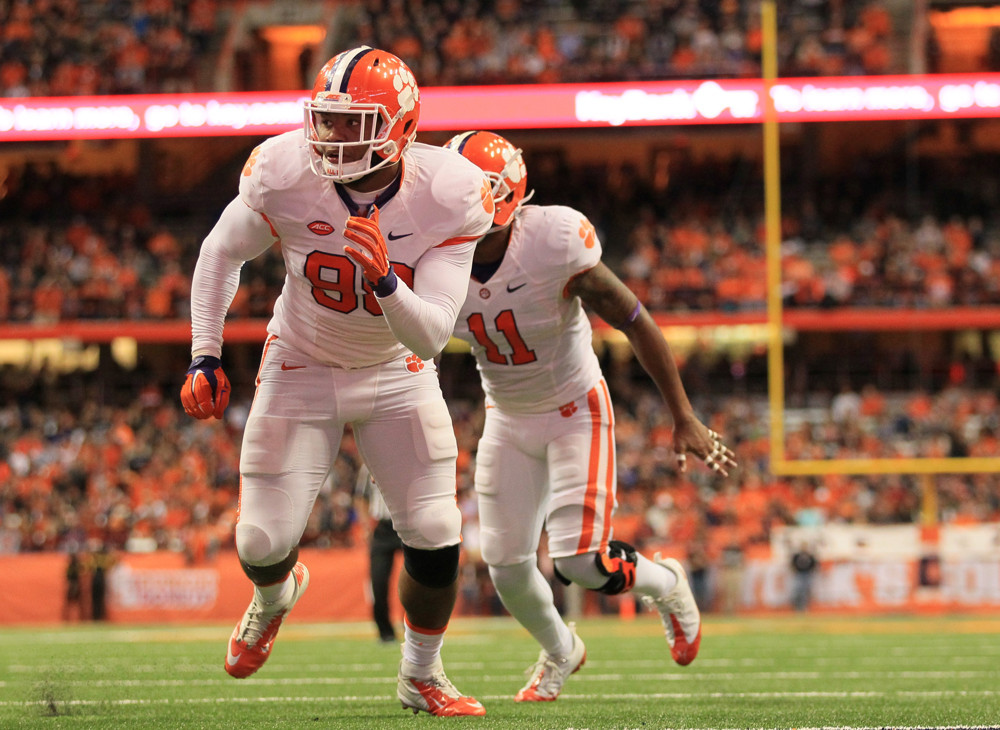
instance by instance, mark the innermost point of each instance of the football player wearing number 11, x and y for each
(377, 234)
(547, 453)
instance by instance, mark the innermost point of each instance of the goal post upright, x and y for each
(772, 228)
(780, 465)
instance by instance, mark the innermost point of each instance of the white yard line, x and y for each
(589, 696)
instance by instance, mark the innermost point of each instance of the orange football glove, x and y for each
(369, 252)
(206, 389)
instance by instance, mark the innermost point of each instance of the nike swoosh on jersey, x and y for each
(515, 288)
(395, 237)
(291, 367)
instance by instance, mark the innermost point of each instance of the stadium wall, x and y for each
(162, 587)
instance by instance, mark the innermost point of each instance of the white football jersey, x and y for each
(532, 342)
(326, 309)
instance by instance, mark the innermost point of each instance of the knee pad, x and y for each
(616, 567)
(254, 546)
(429, 526)
(432, 568)
(265, 575)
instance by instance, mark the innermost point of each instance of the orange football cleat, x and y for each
(679, 613)
(434, 694)
(250, 644)
(550, 673)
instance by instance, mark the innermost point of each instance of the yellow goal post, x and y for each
(780, 465)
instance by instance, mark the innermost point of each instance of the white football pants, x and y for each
(555, 470)
(403, 431)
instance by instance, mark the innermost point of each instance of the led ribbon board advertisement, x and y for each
(544, 106)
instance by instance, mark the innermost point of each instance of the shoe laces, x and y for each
(671, 604)
(439, 680)
(545, 672)
(257, 620)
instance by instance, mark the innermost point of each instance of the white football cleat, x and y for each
(550, 672)
(250, 644)
(434, 694)
(679, 613)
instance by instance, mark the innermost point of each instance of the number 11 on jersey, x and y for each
(520, 354)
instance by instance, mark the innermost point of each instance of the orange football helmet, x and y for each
(504, 167)
(377, 88)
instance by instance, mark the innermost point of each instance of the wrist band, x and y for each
(387, 284)
(632, 317)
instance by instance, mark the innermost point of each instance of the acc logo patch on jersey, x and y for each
(320, 228)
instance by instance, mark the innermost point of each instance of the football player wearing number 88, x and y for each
(377, 234)
(547, 453)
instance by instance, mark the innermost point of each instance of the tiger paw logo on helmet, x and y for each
(404, 83)
(514, 168)
(414, 364)
(568, 409)
(506, 174)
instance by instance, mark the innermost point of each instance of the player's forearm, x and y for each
(423, 318)
(239, 235)
(423, 326)
(216, 279)
(654, 354)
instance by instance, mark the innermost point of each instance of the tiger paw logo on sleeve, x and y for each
(587, 233)
(251, 161)
(487, 195)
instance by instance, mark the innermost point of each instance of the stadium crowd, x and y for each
(87, 464)
(510, 41)
(85, 47)
(88, 47)
(106, 460)
(82, 248)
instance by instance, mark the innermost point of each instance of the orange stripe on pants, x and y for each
(593, 480)
(609, 479)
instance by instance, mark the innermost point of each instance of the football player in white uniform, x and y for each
(377, 235)
(547, 454)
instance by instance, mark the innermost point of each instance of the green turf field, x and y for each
(786, 672)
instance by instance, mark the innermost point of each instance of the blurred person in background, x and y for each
(383, 544)
(699, 564)
(546, 458)
(731, 575)
(73, 600)
(100, 563)
(804, 565)
(377, 234)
